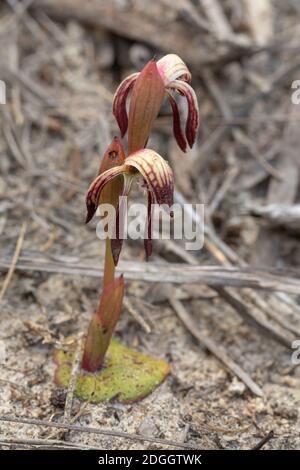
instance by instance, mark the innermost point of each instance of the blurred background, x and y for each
(61, 61)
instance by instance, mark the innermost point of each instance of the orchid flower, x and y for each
(117, 173)
(158, 181)
(157, 79)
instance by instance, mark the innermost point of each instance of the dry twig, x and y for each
(13, 263)
(99, 431)
(269, 280)
(217, 351)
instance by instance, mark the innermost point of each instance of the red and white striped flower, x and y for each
(166, 76)
(158, 181)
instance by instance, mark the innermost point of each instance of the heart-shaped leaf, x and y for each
(126, 376)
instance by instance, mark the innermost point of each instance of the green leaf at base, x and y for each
(127, 375)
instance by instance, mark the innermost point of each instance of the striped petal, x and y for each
(156, 172)
(171, 68)
(119, 102)
(177, 130)
(96, 188)
(192, 122)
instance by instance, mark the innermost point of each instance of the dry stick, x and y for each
(271, 280)
(11, 142)
(37, 212)
(21, 152)
(247, 314)
(15, 91)
(14, 260)
(73, 377)
(52, 27)
(143, 22)
(238, 134)
(33, 87)
(236, 302)
(271, 311)
(221, 25)
(80, 412)
(243, 139)
(220, 252)
(281, 77)
(282, 302)
(227, 254)
(263, 306)
(261, 324)
(217, 18)
(192, 327)
(135, 314)
(9, 22)
(285, 191)
(221, 192)
(20, 9)
(16, 386)
(283, 329)
(211, 346)
(103, 431)
(264, 440)
(30, 24)
(259, 17)
(45, 444)
(278, 214)
(280, 333)
(226, 112)
(208, 147)
(72, 382)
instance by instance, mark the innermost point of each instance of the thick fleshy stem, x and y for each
(104, 320)
(93, 352)
(109, 265)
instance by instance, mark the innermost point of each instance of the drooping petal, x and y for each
(192, 122)
(171, 67)
(178, 133)
(95, 189)
(119, 102)
(146, 100)
(148, 237)
(156, 172)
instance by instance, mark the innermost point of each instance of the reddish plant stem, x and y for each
(93, 351)
(94, 345)
(109, 266)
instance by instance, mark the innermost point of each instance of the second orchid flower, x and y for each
(158, 182)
